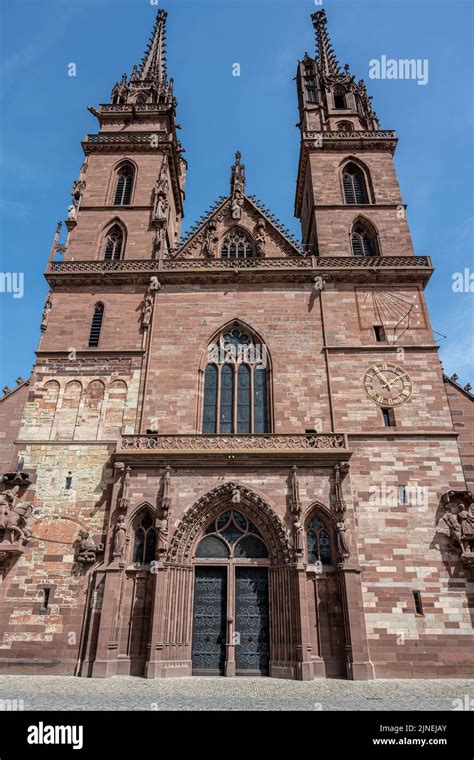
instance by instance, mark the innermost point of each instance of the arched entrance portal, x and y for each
(230, 608)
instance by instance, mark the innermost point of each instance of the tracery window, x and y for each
(364, 240)
(236, 245)
(345, 126)
(113, 244)
(123, 188)
(232, 535)
(355, 191)
(236, 385)
(145, 541)
(318, 542)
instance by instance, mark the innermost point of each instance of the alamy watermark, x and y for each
(12, 282)
(403, 68)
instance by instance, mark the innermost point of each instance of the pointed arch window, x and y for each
(113, 244)
(236, 385)
(318, 542)
(353, 180)
(364, 239)
(345, 126)
(340, 102)
(123, 188)
(236, 245)
(232, 535)
(96, 325)
(144, 544)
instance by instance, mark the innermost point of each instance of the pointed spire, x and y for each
(153, 65)
(237, 179)
(326, 57)
(148, 82)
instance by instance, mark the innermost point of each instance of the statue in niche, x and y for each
(342, 542)
(162, 523)
(119, 537)
(236, 207)
(210, 245)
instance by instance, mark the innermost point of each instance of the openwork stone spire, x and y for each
(153, 65)
(149, 83)
(327, 60)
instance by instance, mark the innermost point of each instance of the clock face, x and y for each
(387, 384)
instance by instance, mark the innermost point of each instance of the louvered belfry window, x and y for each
(96, 325)
(340, 98)
(355, 191)
(364, 241)
(123, 190)
(236, 385)
(113, 244)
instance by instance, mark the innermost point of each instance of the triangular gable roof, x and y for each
(293, 246)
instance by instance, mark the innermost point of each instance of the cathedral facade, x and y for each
(236, 454)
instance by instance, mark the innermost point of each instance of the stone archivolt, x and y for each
(196, 519)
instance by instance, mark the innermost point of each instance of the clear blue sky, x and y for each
(45, 116)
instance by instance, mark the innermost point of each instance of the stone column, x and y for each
(105, 663)
(359, 667)
(304, 664)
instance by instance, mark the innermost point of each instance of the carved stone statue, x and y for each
(124, 501)
(119, 537)
(210, 244)
(147, 311)
(45, 314)
(342, 542)
(160, 207)
(237, 180)
(457, 523)
(236, 207)
(162, 523)
(76, 192)
(338, 500)
(295, 509)
(260, 238)
(298, 532)
(87, 550)
(13, 516)
(466, 518)
(448, 525)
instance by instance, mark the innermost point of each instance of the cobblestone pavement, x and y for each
(126, 693)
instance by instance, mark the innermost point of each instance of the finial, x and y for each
(237, 179)
(326, 57)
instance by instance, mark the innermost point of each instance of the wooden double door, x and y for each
(230, 620)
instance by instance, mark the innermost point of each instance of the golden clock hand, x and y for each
(382, 378)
